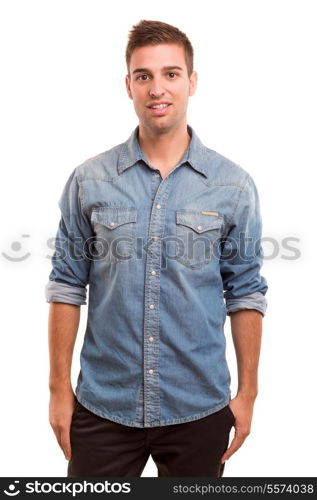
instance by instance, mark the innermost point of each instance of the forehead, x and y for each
(154, 57)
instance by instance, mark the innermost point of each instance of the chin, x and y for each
(162, 126)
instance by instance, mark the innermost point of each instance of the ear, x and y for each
(127, 83)
(193, 82)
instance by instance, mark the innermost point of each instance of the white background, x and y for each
(63, 100)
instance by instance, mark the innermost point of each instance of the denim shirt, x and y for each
(166, 261)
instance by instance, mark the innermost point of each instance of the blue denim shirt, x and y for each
(166, 260)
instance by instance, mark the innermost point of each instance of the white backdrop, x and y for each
(63, 100)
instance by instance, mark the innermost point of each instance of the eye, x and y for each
(140, 77)
(173, 75)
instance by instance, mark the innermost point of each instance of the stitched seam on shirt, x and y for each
(81, 194)
(209, 183)
(111, 179)
(226, 185)
(239, 197)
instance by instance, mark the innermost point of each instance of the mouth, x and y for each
(159, 109)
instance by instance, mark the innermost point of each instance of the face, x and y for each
(158, 75)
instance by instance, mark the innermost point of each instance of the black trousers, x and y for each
(102, 448)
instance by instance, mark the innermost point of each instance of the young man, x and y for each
(166, 232)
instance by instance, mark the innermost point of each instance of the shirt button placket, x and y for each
(151, 314)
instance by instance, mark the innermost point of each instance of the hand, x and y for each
(61, 408)
(242, 408)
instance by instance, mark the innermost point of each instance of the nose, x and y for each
(156, 93)
(156, 89)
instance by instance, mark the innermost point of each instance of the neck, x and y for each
(164, 149)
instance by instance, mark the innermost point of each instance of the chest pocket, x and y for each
(115, 229)
(197, 235)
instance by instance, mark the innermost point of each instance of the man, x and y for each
(166, 233)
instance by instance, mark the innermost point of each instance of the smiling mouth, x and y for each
(159, 106)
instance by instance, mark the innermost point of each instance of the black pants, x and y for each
(102, 448)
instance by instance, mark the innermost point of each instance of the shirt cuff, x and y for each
(60, 292)
(255, 300)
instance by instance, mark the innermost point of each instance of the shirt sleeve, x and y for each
(242, 255)
(71, 260)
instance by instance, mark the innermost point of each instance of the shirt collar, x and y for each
(131, 152)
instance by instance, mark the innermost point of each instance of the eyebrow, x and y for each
(145, 70)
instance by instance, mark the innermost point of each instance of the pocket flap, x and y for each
(198, 221)
(112, 217)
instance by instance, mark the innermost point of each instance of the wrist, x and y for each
(247, 395)
(60, 387)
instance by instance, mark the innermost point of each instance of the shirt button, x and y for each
(153, 273)
(151, 306)
(155, 238)
(112, 223)
(158, 206)
(151, 339)
(199, 228)
(150, 372)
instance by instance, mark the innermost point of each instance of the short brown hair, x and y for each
(156, 32)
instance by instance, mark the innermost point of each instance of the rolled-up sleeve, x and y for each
(69, 276)
(242, 254)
